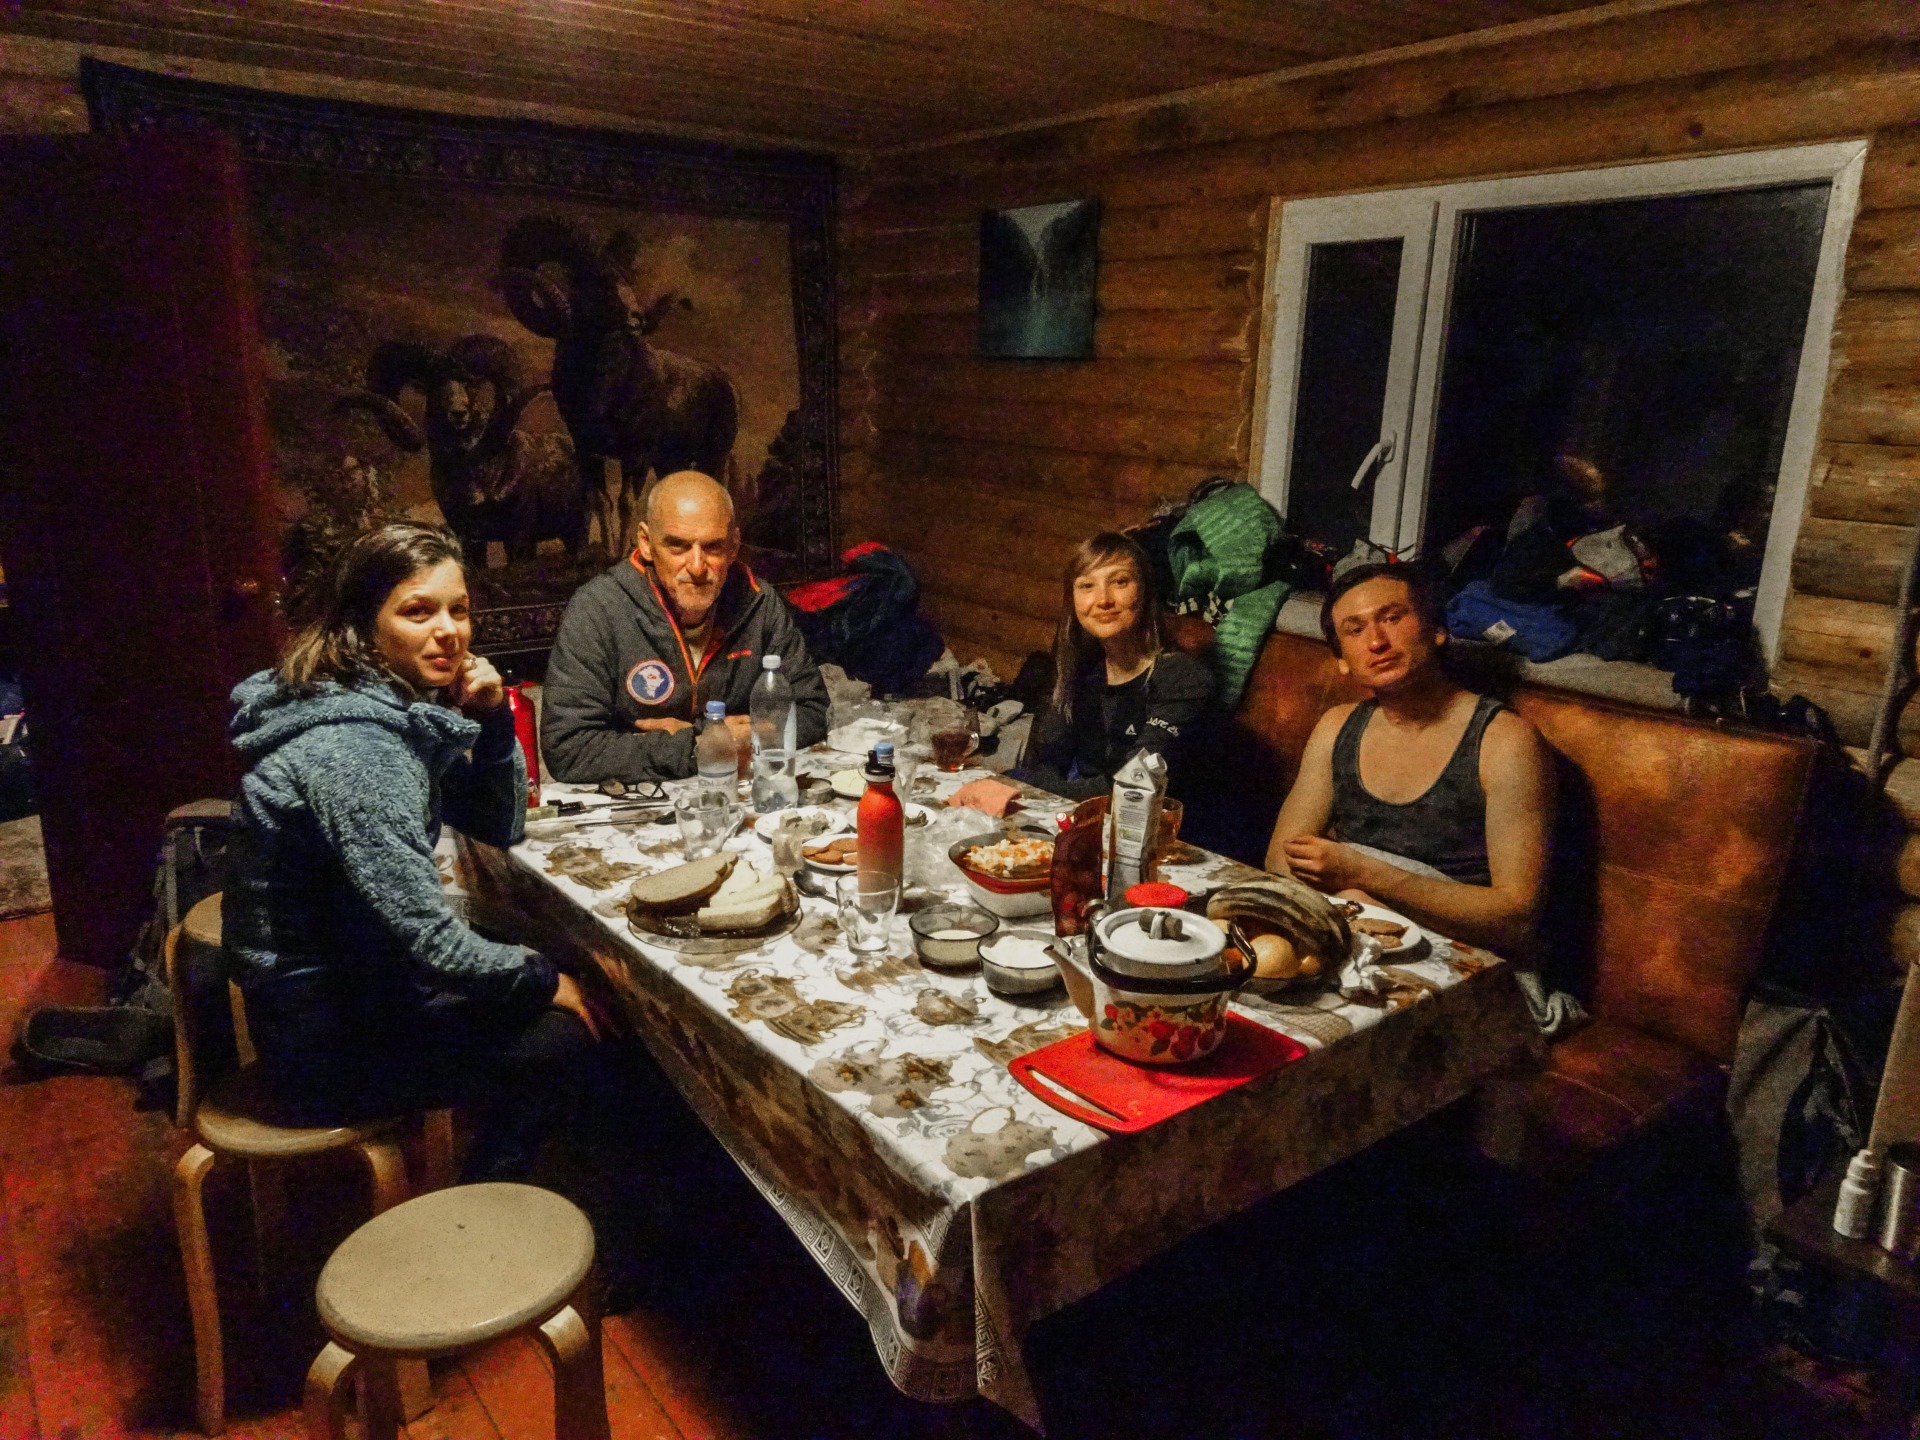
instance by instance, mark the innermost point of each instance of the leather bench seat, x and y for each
(1602, 1087)
(1671, 843)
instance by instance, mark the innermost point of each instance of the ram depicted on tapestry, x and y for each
(522, 374)
(651, 409)
(513, 327)
(492, 480)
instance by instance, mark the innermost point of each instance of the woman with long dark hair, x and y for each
(366, 995)
(1118, 686)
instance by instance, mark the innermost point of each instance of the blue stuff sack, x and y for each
(1539, 632)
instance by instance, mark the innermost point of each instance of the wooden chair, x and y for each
(231, 1116)
(450, 1271)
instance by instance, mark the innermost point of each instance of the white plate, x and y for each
(857, 737)
(1413, 943)
(912, 815)
(835, 820)
(823, 868)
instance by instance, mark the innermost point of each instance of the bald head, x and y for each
(690, 496)
(689, 539)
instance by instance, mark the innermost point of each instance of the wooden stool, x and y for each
(450, 1271)
(234, 1118)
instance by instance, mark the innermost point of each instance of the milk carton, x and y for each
(1133, 820)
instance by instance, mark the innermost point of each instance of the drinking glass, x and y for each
(706, 817)
(907, 763)
(789, 835)
(952, 731)
(1171, 814)
(866, 912)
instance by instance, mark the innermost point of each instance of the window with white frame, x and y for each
(1647, 341)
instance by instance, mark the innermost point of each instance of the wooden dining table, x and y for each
(869, 1098)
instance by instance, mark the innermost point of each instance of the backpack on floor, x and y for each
(133, 1033)
(1805, 1079)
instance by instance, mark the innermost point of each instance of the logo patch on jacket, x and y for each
(650, 682)
(740, 655)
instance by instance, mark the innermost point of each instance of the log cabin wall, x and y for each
(986, 473)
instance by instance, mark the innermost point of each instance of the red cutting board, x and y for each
(1143, 1095)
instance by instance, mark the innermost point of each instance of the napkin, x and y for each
(989, 797)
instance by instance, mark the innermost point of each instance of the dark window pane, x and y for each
(1345, 340)
(1656, 340)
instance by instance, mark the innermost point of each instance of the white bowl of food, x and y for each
(1016, 962)
(1010, 875)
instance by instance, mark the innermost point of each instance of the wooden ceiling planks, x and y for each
(850, 75)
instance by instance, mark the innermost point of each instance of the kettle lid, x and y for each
(1149, 939)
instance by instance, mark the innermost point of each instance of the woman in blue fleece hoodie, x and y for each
(366, 995)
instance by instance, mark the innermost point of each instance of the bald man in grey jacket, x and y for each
(642, 648)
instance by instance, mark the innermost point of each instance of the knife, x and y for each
(1075, 1096)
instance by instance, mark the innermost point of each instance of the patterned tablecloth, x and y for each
(870, 1100)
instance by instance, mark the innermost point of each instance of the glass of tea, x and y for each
(951, 732)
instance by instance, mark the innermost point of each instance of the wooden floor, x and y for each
(1415, 1327)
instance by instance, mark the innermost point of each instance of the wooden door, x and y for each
(136, 517)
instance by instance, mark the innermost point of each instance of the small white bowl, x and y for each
(1018, 964)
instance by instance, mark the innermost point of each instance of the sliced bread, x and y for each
(682, 888)
(750, 898)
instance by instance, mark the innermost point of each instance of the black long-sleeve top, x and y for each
(1161, 709)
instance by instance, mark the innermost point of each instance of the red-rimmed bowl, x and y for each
(1009, 899)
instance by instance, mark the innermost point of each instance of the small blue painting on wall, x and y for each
(1037, 270)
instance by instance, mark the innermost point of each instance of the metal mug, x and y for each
(1900, 1202)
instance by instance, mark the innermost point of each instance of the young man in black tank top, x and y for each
(1425, 771)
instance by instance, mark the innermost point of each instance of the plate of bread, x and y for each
(720, 904)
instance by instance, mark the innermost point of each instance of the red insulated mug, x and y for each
(526, 728)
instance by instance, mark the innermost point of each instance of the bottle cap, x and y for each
(769, 662)
(716, 709)
(880, 761)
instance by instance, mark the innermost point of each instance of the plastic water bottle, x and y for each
(775, 729)
(715, 754)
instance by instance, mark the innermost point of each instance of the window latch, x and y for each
(1381, 452)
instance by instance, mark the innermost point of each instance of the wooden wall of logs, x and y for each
(986, 473)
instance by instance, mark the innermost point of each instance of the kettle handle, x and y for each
(1095, 912)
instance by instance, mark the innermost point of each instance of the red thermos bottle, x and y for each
(526, 727)
(878, 823)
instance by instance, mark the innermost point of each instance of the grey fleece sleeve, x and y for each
(378, 829)
(484, 793)
(582, 734)
(796, 663)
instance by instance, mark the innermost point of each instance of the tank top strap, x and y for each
(1465, 763)
(1346, 745)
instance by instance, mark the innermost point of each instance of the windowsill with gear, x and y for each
(1629, 681)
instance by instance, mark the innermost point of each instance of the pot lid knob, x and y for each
(1153, 939)
(1163, 924)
